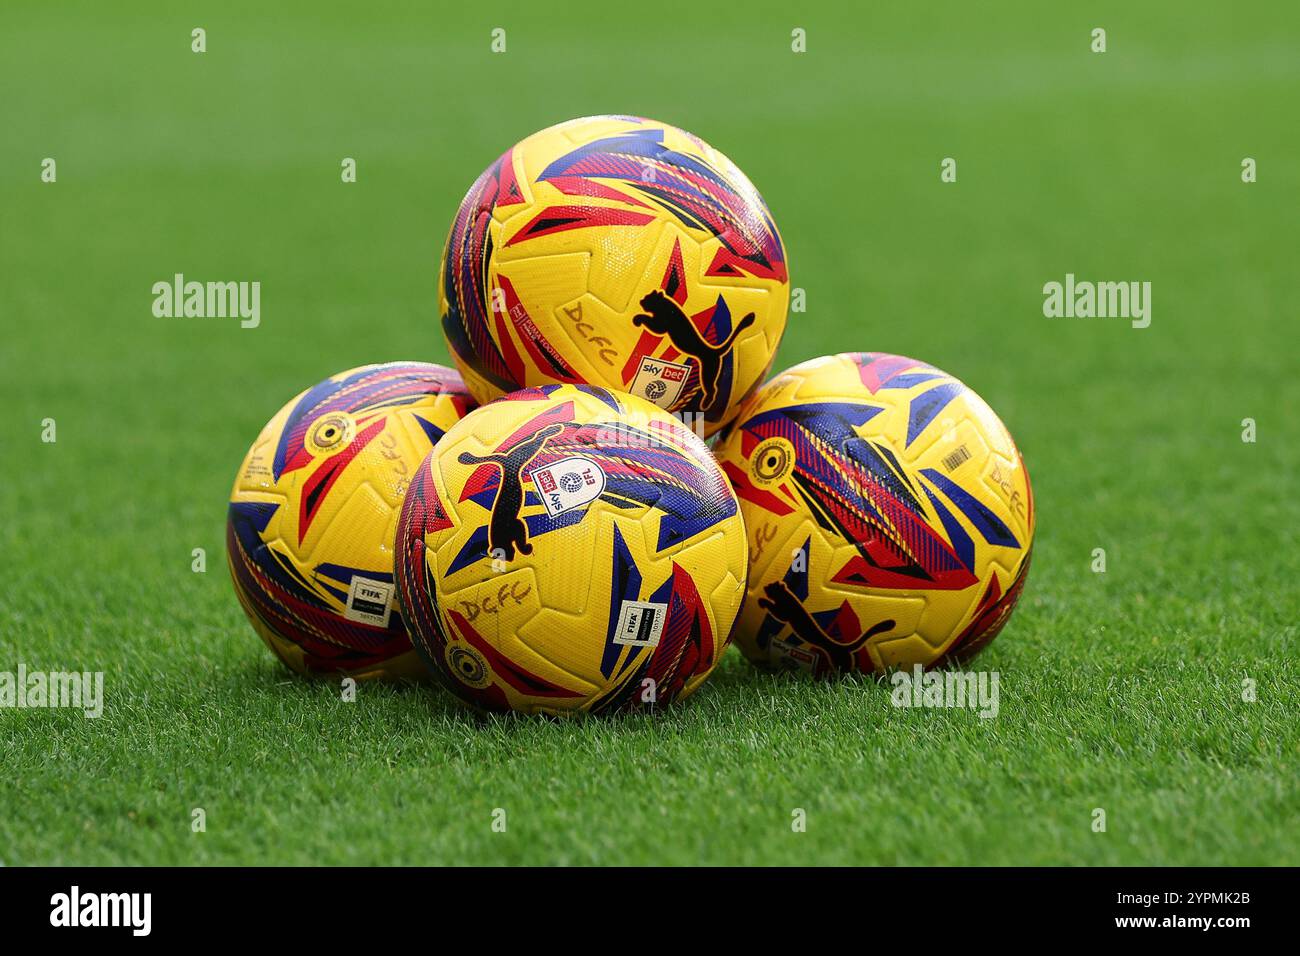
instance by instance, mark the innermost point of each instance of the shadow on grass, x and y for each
(735, 692)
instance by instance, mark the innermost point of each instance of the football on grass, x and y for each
(567, 548)
(313, 514)
(889, 514)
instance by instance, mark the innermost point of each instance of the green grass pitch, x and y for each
(1120, 690)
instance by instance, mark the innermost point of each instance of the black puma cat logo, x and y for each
(663, 316)
(507, 532)
(780, 602)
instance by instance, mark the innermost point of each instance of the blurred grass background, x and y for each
(1120, 691)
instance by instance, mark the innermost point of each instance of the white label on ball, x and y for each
(568, 483)
(369, 601)
(640, 623)
(784, 655)
(659, 381)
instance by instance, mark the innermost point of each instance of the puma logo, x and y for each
(780, 602)
(663, 316)
(507, 531)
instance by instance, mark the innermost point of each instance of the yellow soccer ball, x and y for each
(616, 251)
(566, 548)
(313, 514)
(889, 514)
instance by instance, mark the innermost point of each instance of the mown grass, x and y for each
(1121, 691)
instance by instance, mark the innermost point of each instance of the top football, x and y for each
(616, 251)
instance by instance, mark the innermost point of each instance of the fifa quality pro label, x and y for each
(369, 601)
(640, 623)
(659, 381)
(568, 483)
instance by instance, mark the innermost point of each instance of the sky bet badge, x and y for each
(568, 483)
(659, 381)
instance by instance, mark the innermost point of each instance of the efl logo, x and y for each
(568, 483)
(659, 381)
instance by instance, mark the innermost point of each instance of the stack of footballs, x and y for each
(548, 530)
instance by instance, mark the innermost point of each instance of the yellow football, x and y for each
(889, 514)
(616, 251)
(313, 514)
(569, 548)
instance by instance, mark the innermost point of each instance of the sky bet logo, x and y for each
(659, 381)
(102, 909)
(568, 483)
